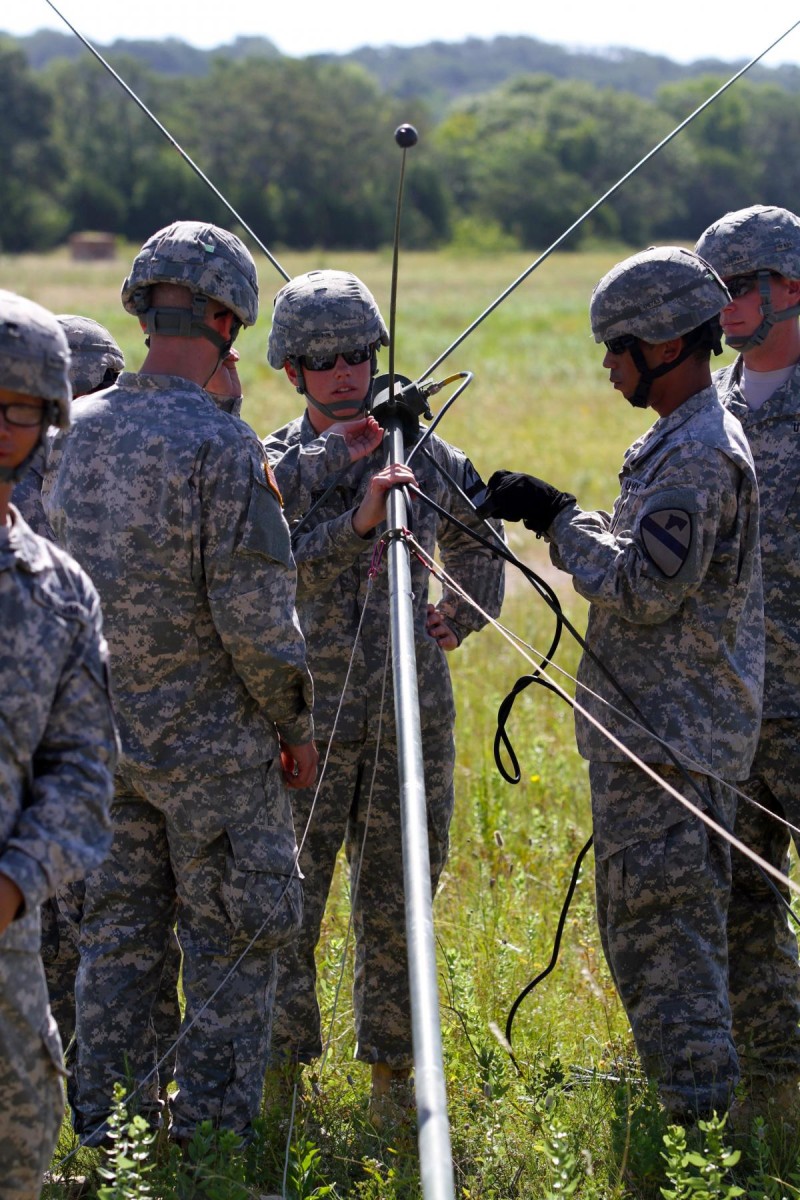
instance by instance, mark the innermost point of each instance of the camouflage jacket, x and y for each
(773, 432)
(166, 502)
(333, 565)
(58, 745)
(28, 492)
(674, 580)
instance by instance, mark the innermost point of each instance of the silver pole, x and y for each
(436, 1160)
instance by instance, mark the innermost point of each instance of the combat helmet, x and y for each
(96, 359)
(661, 293)
(212, 263)
(34, 361)
(755, 241)
(321, 314)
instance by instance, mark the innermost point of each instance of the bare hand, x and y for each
(225, 380)
(439, 630)
(361, 436)
(299, 763)
(11, 900)
(372, 509)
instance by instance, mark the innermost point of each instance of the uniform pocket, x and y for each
(261, 892)
(671, 871)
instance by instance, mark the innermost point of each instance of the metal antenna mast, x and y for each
(436, 1160)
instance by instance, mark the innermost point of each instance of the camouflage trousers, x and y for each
(661, 908)
(366, 816)
(764, 971)
(217, 856)
(31, 1096)
(61, 918)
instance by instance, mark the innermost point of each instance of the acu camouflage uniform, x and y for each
(167, 500)
(333, 565)
(764, 973)
(683, 634)
(95, 361)
(57, 755)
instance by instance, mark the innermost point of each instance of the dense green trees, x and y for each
(304, 150)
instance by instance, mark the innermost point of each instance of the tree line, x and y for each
(304, 150)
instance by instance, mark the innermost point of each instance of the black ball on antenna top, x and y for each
(405, 136)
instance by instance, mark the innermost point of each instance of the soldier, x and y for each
(95, 362)
(326, 333)
(57, 744)
(170, 503)
(674, 583)
(757, 252)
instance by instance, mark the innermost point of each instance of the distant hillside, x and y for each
(474, 66)
(168, 57)
(438, 72)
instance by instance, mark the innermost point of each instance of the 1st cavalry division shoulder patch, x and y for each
(667, 537)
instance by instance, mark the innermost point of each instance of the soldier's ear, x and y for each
(671, 349)
(291, 373)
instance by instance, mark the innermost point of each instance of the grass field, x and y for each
(576, 1120)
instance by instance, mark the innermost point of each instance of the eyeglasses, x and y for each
(25, 416)
(326, 362)
(618, 345)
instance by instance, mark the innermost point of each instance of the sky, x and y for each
(683, 30)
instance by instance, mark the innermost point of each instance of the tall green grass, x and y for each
(577, 1119)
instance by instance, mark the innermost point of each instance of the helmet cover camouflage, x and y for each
(94, 353)
(322, 312)
(759, 238)
(207, 260)
(658, 294)
(34, 354)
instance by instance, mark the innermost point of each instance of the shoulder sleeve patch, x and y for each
(667, 538)
(272, 483)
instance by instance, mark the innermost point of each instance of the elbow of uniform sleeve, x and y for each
(52, 845)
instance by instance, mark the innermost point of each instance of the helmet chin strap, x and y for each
(769, 318)
(641, 395)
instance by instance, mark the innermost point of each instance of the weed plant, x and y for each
(574, 1117)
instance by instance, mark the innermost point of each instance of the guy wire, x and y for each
(162, 129)
(593, 207)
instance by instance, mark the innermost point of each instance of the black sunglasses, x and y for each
(24, 416)
(618, 345)
(740, 285)
(326, 362)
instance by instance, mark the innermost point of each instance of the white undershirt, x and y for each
(758, 386)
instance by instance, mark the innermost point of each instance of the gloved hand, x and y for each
(517, 497)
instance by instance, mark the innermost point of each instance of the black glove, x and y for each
(517, 497)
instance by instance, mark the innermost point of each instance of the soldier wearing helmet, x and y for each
(757, 252)
(57, 743)
(95, 363)
(674, 583)
(326, 333)
(170, 504)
